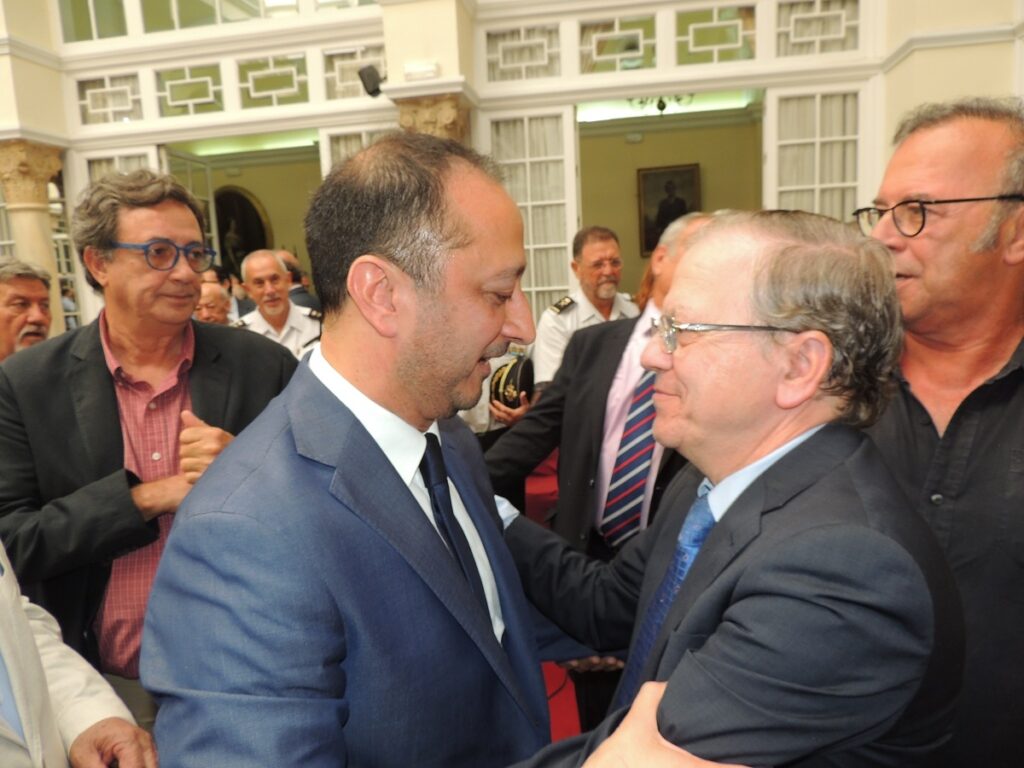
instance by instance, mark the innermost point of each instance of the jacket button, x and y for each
(936, 499)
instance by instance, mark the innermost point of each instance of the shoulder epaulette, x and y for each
(562, 304)
(239, 323)
(316, 314)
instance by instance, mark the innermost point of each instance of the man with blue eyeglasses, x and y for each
(106, 428)
(949, 210)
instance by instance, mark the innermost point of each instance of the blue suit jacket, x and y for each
(306, 612)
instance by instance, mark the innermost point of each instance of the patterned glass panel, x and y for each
(525, 53)
(341, 70)
(617, 45)
(273, 81)
(109, 99)
(810, 27)
(189, 90)
(715, 34)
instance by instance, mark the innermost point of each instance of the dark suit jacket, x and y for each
(300, 296)
(570, 416)
(65, 498)
(819, 624)
(338, 630)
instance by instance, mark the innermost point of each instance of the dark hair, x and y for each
(389, 199)
(222, 272)
(95, 219)
(589, 235)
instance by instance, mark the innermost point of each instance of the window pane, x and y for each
(196, 13)
(157, 16)
(75, 21)
(110, 18)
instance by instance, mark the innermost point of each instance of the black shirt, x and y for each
(969, 485)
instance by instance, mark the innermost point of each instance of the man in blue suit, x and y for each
(328, 596)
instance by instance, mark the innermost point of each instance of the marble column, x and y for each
(445, 115)
(25, 169)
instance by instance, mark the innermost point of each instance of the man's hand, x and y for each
(502, 414)
(593, 664)
(637, 743)
(158, 497)
(113, 739)
(199, 445)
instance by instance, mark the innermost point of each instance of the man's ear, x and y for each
(575, 267)
(658, 256)
(806, 361)
(96, 263)
(374, 285)
(1014, 251)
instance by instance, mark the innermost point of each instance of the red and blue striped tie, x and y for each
(632, 466)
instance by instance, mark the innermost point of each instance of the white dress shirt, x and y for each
(404, 445)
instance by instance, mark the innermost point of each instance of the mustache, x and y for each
(32, 328)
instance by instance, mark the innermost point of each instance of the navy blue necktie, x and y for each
(435, 477)
(698, 524)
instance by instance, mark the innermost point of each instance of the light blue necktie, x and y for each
(698, 524)
(626, 487)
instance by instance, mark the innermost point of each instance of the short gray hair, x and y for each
(815, 273)
(1009, 111)
(263, 252)
(13, 269)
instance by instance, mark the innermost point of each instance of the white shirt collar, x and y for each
(401, 442)
(730, 488)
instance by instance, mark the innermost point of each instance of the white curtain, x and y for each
(531, 154)
(818, 153)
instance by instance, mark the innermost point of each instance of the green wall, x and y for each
(284, 189)
(730, 170)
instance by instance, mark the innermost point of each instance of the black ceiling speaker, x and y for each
(371, 80)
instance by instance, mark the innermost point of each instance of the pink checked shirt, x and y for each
(150, 427)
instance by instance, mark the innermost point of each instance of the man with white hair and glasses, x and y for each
(799, 610)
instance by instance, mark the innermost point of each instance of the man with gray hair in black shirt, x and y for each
(949, 209)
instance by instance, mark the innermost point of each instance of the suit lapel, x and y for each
(208, 381)
(94, 402)
(612, 345)
(797, 470)
(327, 432)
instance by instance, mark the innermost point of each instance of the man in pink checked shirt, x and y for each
(106, 428)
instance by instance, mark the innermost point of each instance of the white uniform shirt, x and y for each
(301, 328)
(555, 328)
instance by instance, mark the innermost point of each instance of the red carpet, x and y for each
(565, 720)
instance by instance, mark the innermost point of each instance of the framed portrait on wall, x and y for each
(242, 225)
(665, 194)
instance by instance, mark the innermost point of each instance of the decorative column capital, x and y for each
(26, 168)
(445, 116)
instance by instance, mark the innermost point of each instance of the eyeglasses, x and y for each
(162, 254)
(669, 330)
(909, 216)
